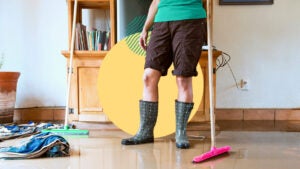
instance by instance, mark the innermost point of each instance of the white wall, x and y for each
(33, 32)
(263, 41)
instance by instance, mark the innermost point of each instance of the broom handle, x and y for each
(70, 64)
(210, 78)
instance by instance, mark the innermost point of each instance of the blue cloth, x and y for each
(14, 131)
(11, 131)
(39, 145)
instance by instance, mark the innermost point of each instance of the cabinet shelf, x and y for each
(85, 54)
(93, 3)
(204, 55)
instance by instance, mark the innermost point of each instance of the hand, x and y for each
(143, 39)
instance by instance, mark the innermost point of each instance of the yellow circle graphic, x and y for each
(120, 88)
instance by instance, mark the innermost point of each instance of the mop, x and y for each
(214, 151)
(66, 130)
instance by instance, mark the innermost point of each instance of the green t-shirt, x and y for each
(173, 10)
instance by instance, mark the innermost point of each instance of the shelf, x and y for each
(86, 54)
(80, 1)
(93, 3)
(204, 55)
(215, 52)
(102, 54)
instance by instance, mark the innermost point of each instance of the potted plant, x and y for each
(8, 88)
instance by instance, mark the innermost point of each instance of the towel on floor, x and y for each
(38, 145)
(12, 131)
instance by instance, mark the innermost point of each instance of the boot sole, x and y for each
(183, 146)
(135, 142)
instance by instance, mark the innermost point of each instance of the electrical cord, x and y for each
(236, 83)
(222, 61)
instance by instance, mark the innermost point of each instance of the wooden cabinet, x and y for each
(203, 110)
(84, 102)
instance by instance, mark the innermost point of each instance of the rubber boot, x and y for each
(183, 111)
(148, 116)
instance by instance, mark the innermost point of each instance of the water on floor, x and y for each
(102, 150)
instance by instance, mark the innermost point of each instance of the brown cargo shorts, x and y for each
(177, 42)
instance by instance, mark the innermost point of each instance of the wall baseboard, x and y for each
(57, 114)
(39, 114)
(258, 114)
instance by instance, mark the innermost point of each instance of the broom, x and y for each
(66, 130)
(214, 151)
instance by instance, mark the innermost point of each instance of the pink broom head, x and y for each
(212, 153)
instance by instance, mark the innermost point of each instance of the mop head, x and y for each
(212, 153)
(67, 131)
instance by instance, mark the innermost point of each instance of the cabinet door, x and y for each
(88, 100)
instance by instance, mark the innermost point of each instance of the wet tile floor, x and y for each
(251, 149)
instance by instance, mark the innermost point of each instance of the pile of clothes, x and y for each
(37, 145)
(11, 131)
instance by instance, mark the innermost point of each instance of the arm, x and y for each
(148, 23)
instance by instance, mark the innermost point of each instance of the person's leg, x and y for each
(148, 109)
(185, 89)
(183, 107)
(188, 38)
(158, 60)
(151, 78)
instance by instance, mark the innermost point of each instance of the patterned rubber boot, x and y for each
(148, 116)
(183, 111)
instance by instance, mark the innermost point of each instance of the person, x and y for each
(177, 37)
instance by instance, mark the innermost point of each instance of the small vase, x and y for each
(8, 89)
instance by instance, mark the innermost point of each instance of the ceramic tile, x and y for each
(257, 114)
(229, 114)
(287, 114)
(58, 114)
(17, 115)
(37, 114)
